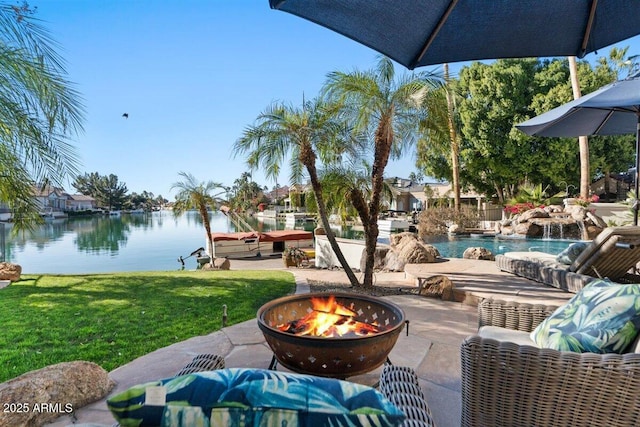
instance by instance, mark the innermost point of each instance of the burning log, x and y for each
(328, 318)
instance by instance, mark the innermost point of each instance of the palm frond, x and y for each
(40, 111)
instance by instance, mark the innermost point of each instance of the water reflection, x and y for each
(108, 236)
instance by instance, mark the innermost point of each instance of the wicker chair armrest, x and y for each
(504, 384)
(513, 315)
(400, 385)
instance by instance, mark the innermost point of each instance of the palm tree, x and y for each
(300, 134)
(389, 110)
(195, 194)
(439, 145)
(454, 140)
(39, 112)
(340, 182)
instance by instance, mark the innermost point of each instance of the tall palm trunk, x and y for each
(204, 214)
(455, 147)
(583, 142)
(383, 141)
(308, 159)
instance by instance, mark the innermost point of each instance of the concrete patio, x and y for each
(431, 347)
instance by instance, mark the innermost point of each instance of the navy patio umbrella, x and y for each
(416, 33)
(613, 109)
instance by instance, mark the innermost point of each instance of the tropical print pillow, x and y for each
(604, 317)
(252, 397)
(572, 252)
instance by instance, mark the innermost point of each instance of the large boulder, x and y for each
(408, 248)
(392, 262)
(379, 257)
(39, 397)
(529, 229)
(398, 238)
(415, 252)
(478, 253)
(9, 271)
(532, 213)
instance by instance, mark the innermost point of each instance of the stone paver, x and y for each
(436, 330)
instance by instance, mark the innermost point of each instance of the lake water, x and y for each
(102, 244)
(155, 241)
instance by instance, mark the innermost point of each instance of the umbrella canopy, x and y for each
(416, 33)
(613, 109)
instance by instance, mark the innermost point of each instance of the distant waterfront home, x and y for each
(54, 202)
(54, 199)
(409, 195)
(80, 202)
(50, 198)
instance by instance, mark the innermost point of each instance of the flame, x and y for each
(329, 319)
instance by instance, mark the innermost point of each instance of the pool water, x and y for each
(454, 246)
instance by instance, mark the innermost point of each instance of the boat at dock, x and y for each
(254, 243)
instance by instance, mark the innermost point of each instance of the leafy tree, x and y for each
(338, 182)
(299, 134)
(106, 189)
(198, 195)
(87, 184)
(144, 200)
(606, 154)
(496, 96)
(247, 194)
(39, 113)
(497, 157)
(111, 193)
(388, 110)
(416, 177)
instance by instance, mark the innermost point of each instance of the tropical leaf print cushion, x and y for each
(252, 397)
(571, 253)
(604, 317)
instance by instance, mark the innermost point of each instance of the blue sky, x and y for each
(192, 75)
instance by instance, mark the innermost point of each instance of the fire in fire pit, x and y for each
(332, 335)
(328, 318)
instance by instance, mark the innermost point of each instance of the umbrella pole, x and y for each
(635, 202)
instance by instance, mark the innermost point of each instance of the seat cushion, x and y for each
(252, 397)
(604, 317)
(506, 335)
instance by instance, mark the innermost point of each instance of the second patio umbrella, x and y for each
(613, 109)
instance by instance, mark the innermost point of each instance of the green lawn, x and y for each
(111, 319)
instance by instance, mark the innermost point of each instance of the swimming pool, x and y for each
(454, 246)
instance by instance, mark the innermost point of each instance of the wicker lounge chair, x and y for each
(612, 254)
(506, 384)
